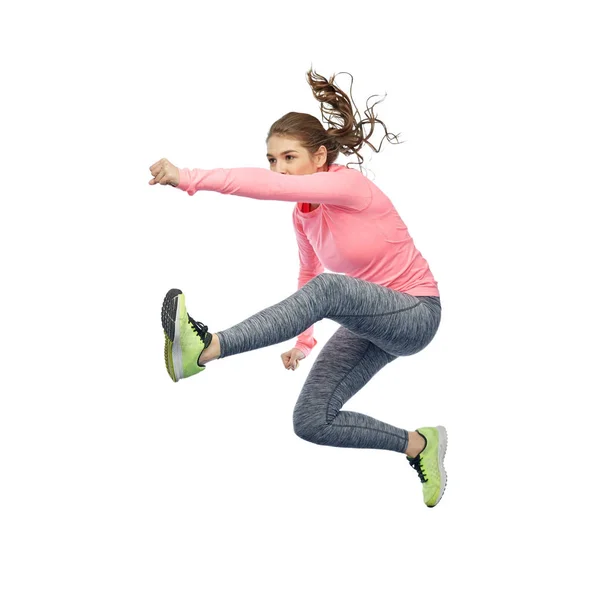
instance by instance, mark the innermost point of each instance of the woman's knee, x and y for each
(310, 428)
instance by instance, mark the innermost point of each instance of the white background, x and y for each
(116, 483)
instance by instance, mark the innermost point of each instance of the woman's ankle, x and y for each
(212, 352)
(416, 444)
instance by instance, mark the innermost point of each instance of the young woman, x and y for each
(381, 292)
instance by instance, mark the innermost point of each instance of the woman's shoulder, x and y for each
(344, 169)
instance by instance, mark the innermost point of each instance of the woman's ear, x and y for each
(321, 156)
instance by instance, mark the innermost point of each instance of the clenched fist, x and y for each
(164, 173)
(291, 358)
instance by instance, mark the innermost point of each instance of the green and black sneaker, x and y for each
(185, 338)
(429, 464)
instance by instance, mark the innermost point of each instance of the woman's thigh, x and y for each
(398, 323)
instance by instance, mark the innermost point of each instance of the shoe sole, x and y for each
(172, 307)
(442, 443)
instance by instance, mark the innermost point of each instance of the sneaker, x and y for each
(429, 464)
(185, 338)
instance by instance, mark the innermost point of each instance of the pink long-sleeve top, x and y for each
(355, 230)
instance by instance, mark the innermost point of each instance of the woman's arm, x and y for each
(344, 187)
(310, 267)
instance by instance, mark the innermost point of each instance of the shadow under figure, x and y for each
(381, 290)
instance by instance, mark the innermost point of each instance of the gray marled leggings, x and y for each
(378, 325)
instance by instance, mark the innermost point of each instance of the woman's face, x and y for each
(288, 157)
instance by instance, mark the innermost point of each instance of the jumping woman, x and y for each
(381, 291)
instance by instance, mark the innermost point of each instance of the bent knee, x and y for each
(312, 430)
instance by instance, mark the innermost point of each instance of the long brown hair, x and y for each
(346, 134)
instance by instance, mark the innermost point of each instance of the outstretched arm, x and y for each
(344, 187)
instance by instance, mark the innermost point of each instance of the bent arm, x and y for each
(310, 267)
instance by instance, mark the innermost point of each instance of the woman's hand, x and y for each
(164, 173)
(291, 357)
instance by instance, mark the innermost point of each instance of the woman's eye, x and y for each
(288, 156)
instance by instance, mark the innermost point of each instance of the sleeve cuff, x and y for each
(303, 349)
(184, 179)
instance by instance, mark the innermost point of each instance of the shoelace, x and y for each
(415, 463)
(199, 328)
